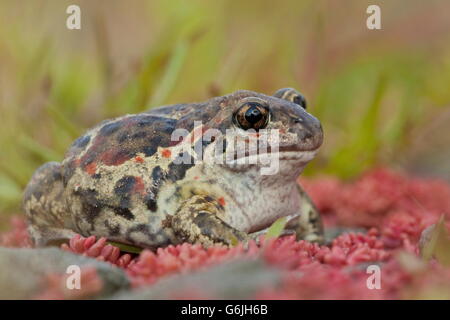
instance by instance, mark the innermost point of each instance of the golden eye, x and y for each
(252, 115)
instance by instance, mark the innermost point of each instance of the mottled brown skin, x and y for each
(120, 180)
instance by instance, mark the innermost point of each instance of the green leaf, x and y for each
(438, 245)
(410, 262)
(126, 247)
(276, 228)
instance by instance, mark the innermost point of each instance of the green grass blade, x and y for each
(43, 153)
(171, 73)
(276, 228)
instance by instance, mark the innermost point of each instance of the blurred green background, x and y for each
(382, 95)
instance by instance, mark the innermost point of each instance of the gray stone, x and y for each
(23, 271)
(240, 279)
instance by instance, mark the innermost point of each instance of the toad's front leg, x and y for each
(198, 221)
(308, 224)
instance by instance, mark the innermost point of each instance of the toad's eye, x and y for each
(291, 95)
(300, 100)
(252, 115)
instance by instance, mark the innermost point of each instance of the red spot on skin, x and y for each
(221, 201)
(113, 158)
(77, 162)
(139, 159)
(97, 142)
(91, 168)
(175, 142)
(139, 186)
(166, 153)
(256, 134)
(283, 131)
(195, 178)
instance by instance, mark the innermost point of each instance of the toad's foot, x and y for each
(197, 221)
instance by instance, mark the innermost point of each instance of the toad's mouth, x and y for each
(280, 154)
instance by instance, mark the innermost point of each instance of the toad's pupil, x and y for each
(253, 115)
